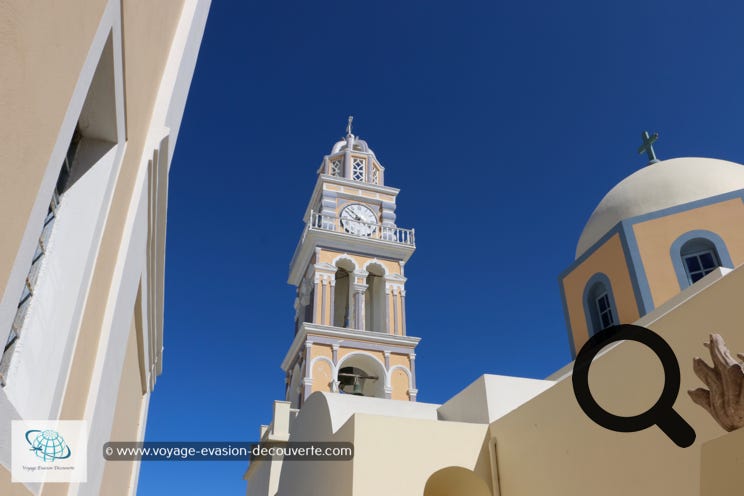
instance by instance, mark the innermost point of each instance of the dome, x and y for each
(658, 186)
(358, 145)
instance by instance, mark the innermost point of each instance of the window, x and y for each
(599, 304)
(604, 311)
(374, 176)
(700, 258)
(43, 242)
(695, 254)
(357, 169)
(336, 167)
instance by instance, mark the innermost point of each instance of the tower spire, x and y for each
(348, 126)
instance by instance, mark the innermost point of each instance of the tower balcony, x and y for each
(359, 228)
(382, 240)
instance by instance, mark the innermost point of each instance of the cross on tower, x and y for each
(648, 146)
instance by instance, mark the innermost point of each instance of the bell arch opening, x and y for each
(374, 303)
(361, 375)
(342, 293)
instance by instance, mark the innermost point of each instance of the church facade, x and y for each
(662, 250)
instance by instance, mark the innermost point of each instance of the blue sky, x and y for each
(503, 123)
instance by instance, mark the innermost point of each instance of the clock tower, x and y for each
(348, 268)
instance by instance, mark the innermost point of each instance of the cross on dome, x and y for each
(648, 146)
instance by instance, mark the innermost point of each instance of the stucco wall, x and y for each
(117, 476)
(722, 470)
(551, 436)
(655, 238)
(608, 259)
(36, 83)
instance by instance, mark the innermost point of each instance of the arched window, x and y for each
(696, 254)
(700, 258)
(599, 304)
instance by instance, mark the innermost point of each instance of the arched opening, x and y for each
(342, 294)
(361, 375)
(599, 304)
(374, 302)
(699, 258)
(455, 481)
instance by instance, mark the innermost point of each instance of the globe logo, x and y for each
(48, 445)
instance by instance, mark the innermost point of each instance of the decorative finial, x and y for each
(648, 146)
(348, 126)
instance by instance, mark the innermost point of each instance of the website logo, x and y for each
(49, 451)
(49, 445)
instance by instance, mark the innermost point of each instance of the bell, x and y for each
(357, 390)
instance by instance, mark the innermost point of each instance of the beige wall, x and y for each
(117, 475)
(36, 85)
(398, 455)
(610, 260)
(392, 455)
(322, 376)
(551, 436)
(722, 465)
(655, 238)
(149, 28)
(8, 488)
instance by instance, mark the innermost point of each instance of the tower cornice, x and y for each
(334, 240)
(340, 335)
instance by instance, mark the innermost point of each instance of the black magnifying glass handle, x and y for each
(677, 429)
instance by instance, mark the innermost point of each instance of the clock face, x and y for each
(358, 220)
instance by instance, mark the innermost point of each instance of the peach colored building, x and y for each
(663, 250)
(92, 97)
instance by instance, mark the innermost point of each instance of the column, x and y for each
(359, 291)
(388, 328)
(325, 275)
(395, 311)
(308, 379)
(335, 382)
(316, 301)
(328, 210)
(388, 220)
(347, 157)
(388, 385)
(359, 288)
(332, 310)
(413, 391)
(402, 312)
(324, 285)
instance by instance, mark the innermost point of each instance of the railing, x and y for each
(362, 229)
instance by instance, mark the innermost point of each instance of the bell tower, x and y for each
(348, 268)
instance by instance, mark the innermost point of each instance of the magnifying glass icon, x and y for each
(661, 414)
